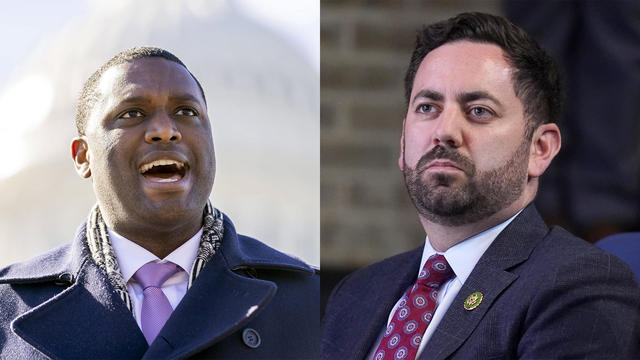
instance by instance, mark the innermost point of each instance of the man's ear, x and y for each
(80, 155)
(401, 157)
(545, 144)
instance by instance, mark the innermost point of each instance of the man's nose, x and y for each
(448, 128)
(162, 129)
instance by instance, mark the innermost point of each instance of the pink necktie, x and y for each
(156, 308)
(404, 333)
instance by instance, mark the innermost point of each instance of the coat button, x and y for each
(251, 338)
(65, 279)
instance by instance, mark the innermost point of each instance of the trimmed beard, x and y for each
(441, 200)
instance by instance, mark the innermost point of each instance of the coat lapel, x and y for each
(88, 318)
(490, 277)
(85, 319)
(219, 303)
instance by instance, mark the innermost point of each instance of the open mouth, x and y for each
(163, 171)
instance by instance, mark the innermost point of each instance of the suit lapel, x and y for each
(86, 319)
(458, 323)
(490, 277)
(368, 310)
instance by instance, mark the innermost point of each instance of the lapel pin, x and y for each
(473, 300)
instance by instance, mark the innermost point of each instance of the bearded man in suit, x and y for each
(156, 271)
(492, 280)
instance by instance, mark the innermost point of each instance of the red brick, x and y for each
(365, 77)
(389, 36)
(354, 155)
(382, 117)
(327, 115)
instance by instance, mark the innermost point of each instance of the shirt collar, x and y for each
(132, 256)
(464, 256)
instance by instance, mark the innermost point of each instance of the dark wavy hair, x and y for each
(536, 80)
(89, 95)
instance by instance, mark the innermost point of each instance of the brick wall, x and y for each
(365, 48)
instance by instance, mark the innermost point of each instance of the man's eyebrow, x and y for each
(186, 97)
(145, 99)
(429, 94)
(476, 95)
(134, 99)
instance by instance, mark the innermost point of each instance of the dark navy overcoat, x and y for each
(250, 301)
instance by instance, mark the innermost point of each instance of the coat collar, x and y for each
(89, 318)
(64, 263)
(491, 277)
(84, 319)
(244, 252)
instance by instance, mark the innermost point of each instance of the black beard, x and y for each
(440, 200)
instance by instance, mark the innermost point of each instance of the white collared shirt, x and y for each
(462, 258)
(132, 256)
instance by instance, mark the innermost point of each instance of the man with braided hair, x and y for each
(156, 271)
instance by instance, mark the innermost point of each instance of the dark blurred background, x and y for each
(592, 188)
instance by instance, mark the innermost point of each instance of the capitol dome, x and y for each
(263, 102)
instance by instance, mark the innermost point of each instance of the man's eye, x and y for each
(426, 108)
(131, 114)
(478, 111)
(481, 112)
(186, 112)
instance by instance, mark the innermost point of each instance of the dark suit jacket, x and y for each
(547, 295)
(60, 305)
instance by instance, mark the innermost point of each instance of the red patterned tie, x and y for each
(413, 314)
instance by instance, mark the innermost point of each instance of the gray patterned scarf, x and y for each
(103, 255)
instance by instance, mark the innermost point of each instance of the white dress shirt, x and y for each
(132, 256)
(462, 258)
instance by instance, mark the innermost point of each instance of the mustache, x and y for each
(441, 152)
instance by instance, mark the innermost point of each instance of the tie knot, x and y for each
(436, 271)
(154, 274)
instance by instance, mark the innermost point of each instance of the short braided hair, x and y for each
(89, 94)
